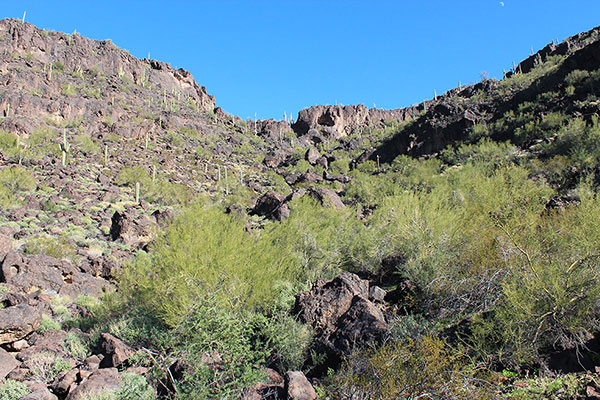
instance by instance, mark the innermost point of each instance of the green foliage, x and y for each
(57, 66)
(8, 145)
(41, 143)
(13, 390)
(132, 387)
(57, 247)
(205, 252)
(46, 366)
(48, 324)
(550, 293)
(14, 182)
(17, 179)
(575, 77)
(69, 90)
(426, 367)
(76, 345)
(563, 387)
(160, 191)
(85, 144)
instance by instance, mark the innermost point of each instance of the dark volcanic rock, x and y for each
(17, 322)
(132, 229)
(327, 197)
(7, 363)
(298, 387)
(271, 205)
(100, 382)
(270, 128)
(341, 317)
(115, 352)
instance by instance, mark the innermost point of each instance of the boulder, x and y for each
(114, 350)
(325, 303)
(101, 382)
(271, 205)
(7, 363)
(377, 294)
(337, 121)
(342, 317)
(327, 197)
(362, 324)
(307, 177)
(298, 387)
(64, 382)
(312, 155)
(17, 322)
(270, 129)
(276, 158)
(40, 394)
(132, 229)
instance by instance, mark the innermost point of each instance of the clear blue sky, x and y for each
(273, 56)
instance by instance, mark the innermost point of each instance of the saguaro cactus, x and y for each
(65, 147)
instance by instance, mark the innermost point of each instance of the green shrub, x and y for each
(85, 144)
(14, 182)
(57, 247)
(13, 390)
(57, 66)
(76, 345)
(48, 324)
(17, 179)
(69, 90)
(576, 77)
(160, 191)
(7, 140)
(205, 252)
(426, 367)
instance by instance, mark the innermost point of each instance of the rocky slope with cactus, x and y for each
(152, 245)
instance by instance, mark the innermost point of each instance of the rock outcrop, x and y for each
(339, 121)
(342, 317)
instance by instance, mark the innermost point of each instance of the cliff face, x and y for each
(57, 77)
(338, 121)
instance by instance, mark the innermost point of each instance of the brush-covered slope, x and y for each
(153, 246)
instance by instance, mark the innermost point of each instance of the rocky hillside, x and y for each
(154, 246)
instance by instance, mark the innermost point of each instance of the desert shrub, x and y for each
(339, 167)
(58, 66)
(17, 179)
(46, 365)
(160, 190)
(447, 232)
(85, 144)
(13, 390)
(57, 247)
(14, 182)
(76, 345)
(132, 387)
(9, 147)
(205, 251)
(486, 154)
(550, 297)
(48, 324)
(222, 346)
(321, 241)
(69, 90)
(42, 143)
(576, 77)
(409, 369)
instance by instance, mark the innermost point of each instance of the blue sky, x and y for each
(273, 56)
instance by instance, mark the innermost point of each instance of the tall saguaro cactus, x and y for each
(65, 148)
